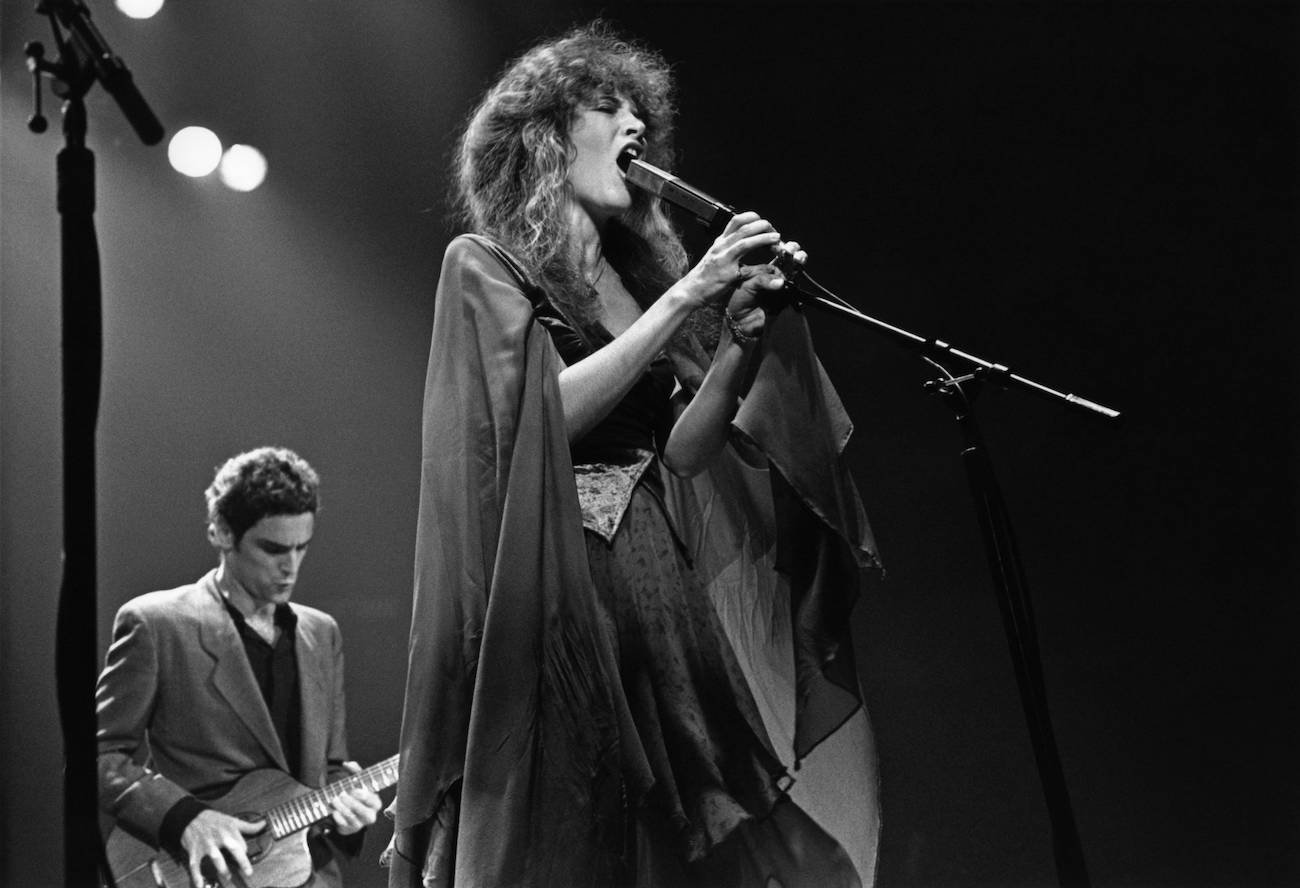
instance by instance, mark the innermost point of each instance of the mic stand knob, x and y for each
(36, 64)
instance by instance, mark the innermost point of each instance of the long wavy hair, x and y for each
(513, 159)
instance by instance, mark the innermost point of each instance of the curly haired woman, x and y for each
(601, 529)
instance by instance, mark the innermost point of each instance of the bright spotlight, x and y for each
(194, 151)
(139, 9)
(243, 167)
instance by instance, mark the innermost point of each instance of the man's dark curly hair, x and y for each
(262, 482)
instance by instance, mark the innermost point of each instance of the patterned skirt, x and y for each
(715, 815)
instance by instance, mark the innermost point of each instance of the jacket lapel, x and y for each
(312, 672)
(233, 677)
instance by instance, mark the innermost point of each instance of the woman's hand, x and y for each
(745, 307)
(719, 270)
(591, 387)
(701, 430)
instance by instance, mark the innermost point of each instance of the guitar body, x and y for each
(282, 863)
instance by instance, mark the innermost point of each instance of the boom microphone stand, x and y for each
(83, 58)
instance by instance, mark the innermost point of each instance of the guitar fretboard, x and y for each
(312, 807)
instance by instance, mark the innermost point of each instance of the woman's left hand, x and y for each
(758, 281)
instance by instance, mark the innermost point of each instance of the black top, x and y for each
(276, 669)
(634, 421)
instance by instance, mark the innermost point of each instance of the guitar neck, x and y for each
(312, 807)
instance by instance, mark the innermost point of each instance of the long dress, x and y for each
(575, 712)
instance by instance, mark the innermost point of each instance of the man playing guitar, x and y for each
(207, 683)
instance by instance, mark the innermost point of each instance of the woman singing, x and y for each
(632, 589)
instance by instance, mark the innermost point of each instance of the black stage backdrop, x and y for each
(1101, 195)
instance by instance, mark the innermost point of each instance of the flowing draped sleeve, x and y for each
(794, 416)
(779, 534)
(508, 689)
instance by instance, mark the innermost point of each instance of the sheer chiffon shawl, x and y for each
(508, 688)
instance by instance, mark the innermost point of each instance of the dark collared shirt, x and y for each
(276, 669)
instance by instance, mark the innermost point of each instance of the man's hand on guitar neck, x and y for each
(356, 808)
(212, 835)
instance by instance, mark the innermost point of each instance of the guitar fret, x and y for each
(302, 811)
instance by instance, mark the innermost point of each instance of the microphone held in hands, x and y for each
(648, 177)
(710, 211)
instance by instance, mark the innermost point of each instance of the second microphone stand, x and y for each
(83, 59)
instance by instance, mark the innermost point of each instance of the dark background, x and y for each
(1101, 195)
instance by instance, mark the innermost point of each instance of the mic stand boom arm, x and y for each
(809, 292)
(713, 214)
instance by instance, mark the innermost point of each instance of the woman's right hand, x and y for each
(719, 272)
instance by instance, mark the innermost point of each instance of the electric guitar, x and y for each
(279, 853)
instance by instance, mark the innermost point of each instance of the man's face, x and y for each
(266, 560)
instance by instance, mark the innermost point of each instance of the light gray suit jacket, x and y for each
(180, 713)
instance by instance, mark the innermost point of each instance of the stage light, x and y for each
(139, 9)
(194, 151)
(243, 167)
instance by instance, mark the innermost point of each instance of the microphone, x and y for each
(709, 210)
(648, 177)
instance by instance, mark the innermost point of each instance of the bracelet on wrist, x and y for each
(739, 335)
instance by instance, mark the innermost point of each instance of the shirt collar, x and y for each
(285, 618)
